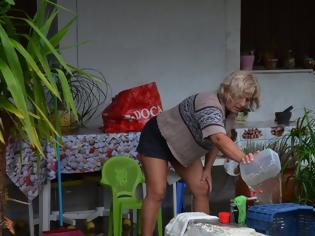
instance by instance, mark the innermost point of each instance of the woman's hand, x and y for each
(248, 158)
(206, 176)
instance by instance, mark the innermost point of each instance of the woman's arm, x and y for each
(226, 145)
(210, 158)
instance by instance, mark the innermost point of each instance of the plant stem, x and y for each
(2, 183)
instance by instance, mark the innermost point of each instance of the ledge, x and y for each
(283, 71)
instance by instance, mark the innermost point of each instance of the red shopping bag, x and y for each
(132, 108)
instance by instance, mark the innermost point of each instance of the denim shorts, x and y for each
(152, 143)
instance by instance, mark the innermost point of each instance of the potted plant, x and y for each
(27, 81)
(302, 145)
(285, 191)
(289, 61)
(89, 89)
(247, 59)
(287, 160)
(309, 62)
(270, 60)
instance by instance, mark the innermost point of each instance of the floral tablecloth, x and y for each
(87, 152)
(78, 154)
(257, 135)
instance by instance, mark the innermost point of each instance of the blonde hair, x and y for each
(240, 84)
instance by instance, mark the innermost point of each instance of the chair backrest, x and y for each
(122, 174)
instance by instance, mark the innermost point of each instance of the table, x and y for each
(44, 196)
(256, 135)
(85, 152)
(80, 153)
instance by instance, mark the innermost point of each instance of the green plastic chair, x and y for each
(123, 174)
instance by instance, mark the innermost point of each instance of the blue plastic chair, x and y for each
(180, 189)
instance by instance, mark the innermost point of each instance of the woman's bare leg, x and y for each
(155, 171)
(200, 189)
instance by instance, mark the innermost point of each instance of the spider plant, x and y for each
(282, 147)
(27, 80)
(302, 144)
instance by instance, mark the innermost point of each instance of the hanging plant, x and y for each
(89, 89)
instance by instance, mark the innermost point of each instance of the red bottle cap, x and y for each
(224, 217)
(252, 193)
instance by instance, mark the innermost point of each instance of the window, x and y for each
(282, 30)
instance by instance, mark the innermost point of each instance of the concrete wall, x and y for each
(280, 90)
(185, 46)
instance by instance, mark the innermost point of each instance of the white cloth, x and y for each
(178, 225)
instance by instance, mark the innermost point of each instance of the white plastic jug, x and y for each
(266, 165)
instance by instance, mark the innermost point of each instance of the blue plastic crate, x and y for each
(286, 219)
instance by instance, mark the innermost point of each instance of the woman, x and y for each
(181, 135)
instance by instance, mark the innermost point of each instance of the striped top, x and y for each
(187, 126)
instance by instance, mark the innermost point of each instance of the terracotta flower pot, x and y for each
(271, 63)
(288, 183)
(241, 187)
(309, 63)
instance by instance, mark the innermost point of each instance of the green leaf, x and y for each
(11, 56)
(48, 21)
(56, 115)
(42, 114)
(60, 6)
(44, 65)
(57, 37)
(1, 137)
(39, 16)
(29, 59)
(67, 93)
(9, 107)
(20, 100)
(76, 70)
(11, 2)
(5, 6)
(48, 44)
(6, 105)
(1, 134)
(39, 99)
